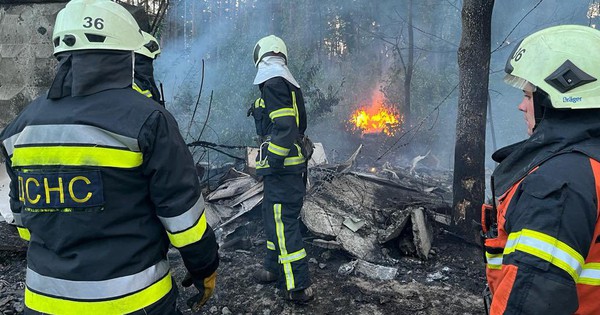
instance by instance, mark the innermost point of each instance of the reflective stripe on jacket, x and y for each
(280, 117)
(138, 89)
(545, 258)
(100, 185)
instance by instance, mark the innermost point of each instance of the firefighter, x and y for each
(102, 181)
(280, 119)
(543, 251)
(144, 69)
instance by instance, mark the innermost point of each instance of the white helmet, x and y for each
(563, 62)
(270, 45)
(151, 48)
(95, 24)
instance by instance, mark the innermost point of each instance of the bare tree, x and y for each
(403, 46)
(152, 12)
(469, 156)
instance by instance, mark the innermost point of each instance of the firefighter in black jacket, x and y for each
(280, 119)
(543, 252)
(144, 69)
(102, 182)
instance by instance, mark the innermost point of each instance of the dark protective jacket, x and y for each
(144, 78)
(280, 118)
(544, 257)
(101, 183)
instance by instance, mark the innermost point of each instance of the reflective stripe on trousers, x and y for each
(281, 208)
(280, 232)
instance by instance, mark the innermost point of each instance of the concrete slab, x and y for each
(422, 232)
(399, 219)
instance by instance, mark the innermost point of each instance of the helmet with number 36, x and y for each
(561, 61)
(95, 24)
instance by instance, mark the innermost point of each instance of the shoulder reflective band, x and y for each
(494, 261)
(278, 150)
(146, 93)
(72, 145)
(191, 235)
(185, 220)
(547, 248)
(83, 135)
(270, 245)
(259, 103)
(75, 156)
(590, 274)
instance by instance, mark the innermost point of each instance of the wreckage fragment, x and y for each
(368, 269)
(231, 188)
(399, 220)
(376, 272)
(365, 213)
(422, 232)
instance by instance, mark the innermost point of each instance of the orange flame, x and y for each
(376, 118)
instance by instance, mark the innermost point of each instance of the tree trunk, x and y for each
(469, 156)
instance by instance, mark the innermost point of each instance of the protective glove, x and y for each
(205, 286)
(250, 110)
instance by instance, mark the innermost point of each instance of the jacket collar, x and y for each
(561, 131)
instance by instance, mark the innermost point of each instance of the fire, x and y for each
(376, 118)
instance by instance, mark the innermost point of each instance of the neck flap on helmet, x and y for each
(81, 73)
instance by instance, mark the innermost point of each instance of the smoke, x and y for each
(338, 51)
(198, 32)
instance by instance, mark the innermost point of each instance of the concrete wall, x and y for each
(26, 61)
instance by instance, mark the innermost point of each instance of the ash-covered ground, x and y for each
(450, 282)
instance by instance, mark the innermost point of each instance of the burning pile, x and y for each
(375, 118)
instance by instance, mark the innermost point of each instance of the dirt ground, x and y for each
(450, 282)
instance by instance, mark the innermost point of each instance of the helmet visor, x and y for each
(519, 83)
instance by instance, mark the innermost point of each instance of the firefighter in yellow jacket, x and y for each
(102, 181)
(280, 119)
(543, 247)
